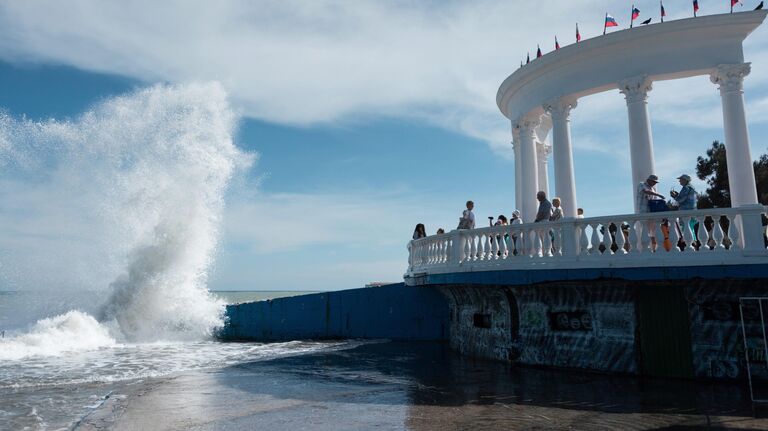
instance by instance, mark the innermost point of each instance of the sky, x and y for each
(364, 117)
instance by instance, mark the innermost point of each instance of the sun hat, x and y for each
(653, 178)
(684, 177)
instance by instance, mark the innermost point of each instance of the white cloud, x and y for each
(302, 62)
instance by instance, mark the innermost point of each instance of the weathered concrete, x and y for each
(395, 312)
(671, 328)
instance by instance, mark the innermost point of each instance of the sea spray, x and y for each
(129, 195)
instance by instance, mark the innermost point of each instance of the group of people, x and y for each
(647, 199)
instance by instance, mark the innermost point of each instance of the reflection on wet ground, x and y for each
(421, 386)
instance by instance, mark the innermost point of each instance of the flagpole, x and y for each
(605, 23)
(632, 16)
(731, 6)
(661, 9)
(578, 36)
(694, 12)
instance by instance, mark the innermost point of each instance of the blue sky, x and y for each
(366, 119)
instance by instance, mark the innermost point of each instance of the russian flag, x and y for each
(557, 44)
(735, 2)
(635, 13)
(663, 12)
(695, 6)
(610, 21)
(538, 51)
(578, 35)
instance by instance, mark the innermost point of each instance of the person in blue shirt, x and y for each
(686, 197)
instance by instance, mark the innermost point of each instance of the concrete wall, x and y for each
(667, 328)
(395, 312)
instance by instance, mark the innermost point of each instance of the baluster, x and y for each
(634, 238)
(607, 240)
(546, 243)
(659, 236)
(467, 240)
(718, 236)
(619, 239)
(535, 242)
(704, 234)
(688, 234)
(444, 252)
(480, 245)
(583, 240)
(645, 240)
(674, 235)
(557, 244)
(489, 254)
(595, 241)
(503, 243)
(512, 244)
(472, 247)
(734, 231)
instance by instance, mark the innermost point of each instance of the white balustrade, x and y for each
(693, 238)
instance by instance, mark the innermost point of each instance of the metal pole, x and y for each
(746, 348)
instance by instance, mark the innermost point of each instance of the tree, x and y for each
(714, 170)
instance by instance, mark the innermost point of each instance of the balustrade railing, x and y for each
(698, 237)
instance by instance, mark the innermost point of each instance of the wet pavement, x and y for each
(417, 386)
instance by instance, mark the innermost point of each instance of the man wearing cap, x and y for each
(686, 198)
(646, 191)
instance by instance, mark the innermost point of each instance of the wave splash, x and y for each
(138, 182)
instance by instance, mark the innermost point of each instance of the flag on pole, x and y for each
(695, 7)
(663, 12)
(578, 35)
(609, 22)
(557, 44)
(635, 15)
(538, 51)
(734, 3)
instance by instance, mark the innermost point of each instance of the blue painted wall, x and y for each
(396, 312)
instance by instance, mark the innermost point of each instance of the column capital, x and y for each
(528, 123)
(560, 107)
(636, 89)
(730, 77)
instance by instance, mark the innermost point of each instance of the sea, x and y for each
(58, 364)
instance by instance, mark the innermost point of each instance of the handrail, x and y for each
(696, 237)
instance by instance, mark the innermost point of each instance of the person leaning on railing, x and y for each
(646, 192)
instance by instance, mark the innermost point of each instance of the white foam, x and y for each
(73, 331)
(125, 200)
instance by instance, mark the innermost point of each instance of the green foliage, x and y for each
(714, 170)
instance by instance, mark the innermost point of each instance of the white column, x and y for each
(741, 175)
(565, 181)
(518, 165)
(542, 154)
(636, 90)
(529, 181)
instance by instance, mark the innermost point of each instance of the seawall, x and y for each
(681, 328)
(394, 311)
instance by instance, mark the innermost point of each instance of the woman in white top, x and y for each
(557, 212)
